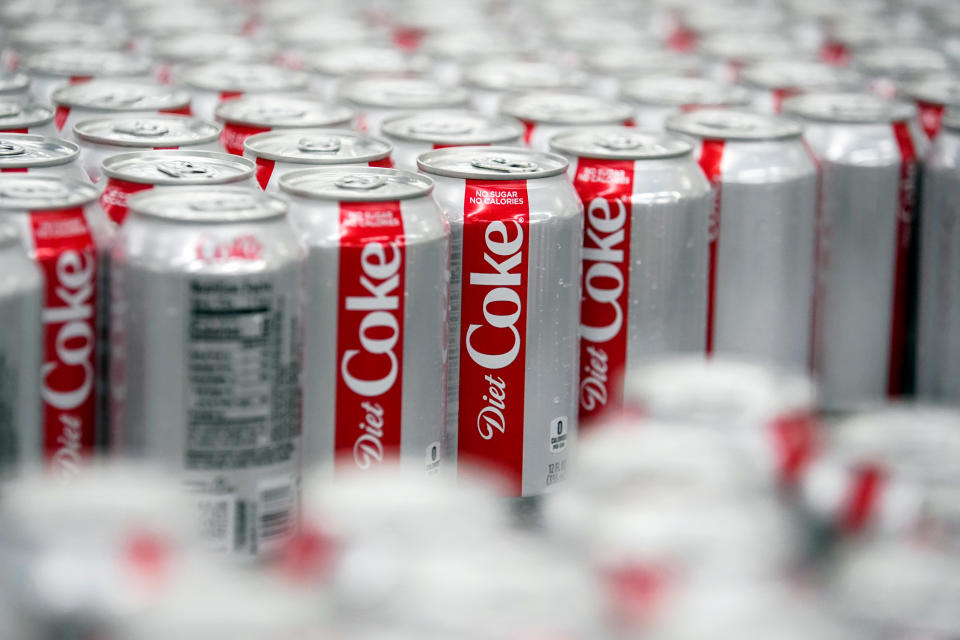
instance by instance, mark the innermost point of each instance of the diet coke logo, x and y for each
(245, 247)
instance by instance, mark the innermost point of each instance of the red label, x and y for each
(711, 157)
(179, 111)
(528, 127)
(382, 162)
(113, 200)
(14, 170)
(233, 136)
(14, 130)
(80, 79)
(901, 280)
(781, 94)
(795, 444)
(682, 39)
(67, 255)
(60, 117)
(606, 189)
(370, 333)
(931, 116)
(447, 146)
(834, 53)
(864, 493)
(230, 95)
(493, 327)
(264, 171)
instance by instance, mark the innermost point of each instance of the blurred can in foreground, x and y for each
(772, 82)
(657, 97)
(933, 97)
(375, 98)
(376, 316)
(516, 234)
(40, 155)
(27, 118)
(867, 150)
(220, 81)
(544, 114)
(644, 256)
(205, 355)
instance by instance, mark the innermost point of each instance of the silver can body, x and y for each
(205, 365)
(938, 316)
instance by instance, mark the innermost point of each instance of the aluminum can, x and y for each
(249, 115)
(51, 34)
(933, 97)
(375, 99)
(772, 82)
(938, 319)
(890, 66)
(133, 172)
(450, 51)
(64, 236)
(375, 350)
(158, 21)
(845, 38)
(214, 83)
(176, 53)
(644, 286)
(489, 81)
(26, 118)
(516, 232)
(414, 133)
(655, 98)
(545, 114)
(213, 391)
(78, 102)
(760, 270)
(328, 68)
(727, 53)
(43, 155)
(319, 32)
(14, 87)
(279, 152)
(50, 70)
(867, 150)
(21, 295)
(100, 138)
(611, 65)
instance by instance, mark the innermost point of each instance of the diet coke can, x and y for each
(21, 355)
(760, 268)
(489, 81)
(544, 114)
(867, 150)
(49, 35)
(938, 319)
(414, 133)
(179, 52)
(102, 137)
(772, 82)
(249, 115)
(328, 68)
(27, 118)
(51, 70)
(24, 153)
(130, 173)
(375, 99)
(644, 254)
(279, 152)
(933, 97)
(888, 67)
(217, 82)
(516, 233)
(655, 98)
(376, 316)
(210, 388)
(450, 51)
(728, 52)
(63, 235)
(78, 102)
(612, 65)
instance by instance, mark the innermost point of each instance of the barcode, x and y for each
(277, 513)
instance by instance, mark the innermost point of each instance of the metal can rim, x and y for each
(424, 160)
(277, 157)
(511, 129)
(559, 143)
(77, 194)
(781, 128)
(270, 207)
(110, 169)
(422, 185)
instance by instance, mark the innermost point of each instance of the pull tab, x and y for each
(272, 113)
(729, 122)
(124, 98)
(499, 163)
(8, 110)
(182, 169)
(443, 128)
(319, 144)
(228, 203)
(141, 129)
(8, 149)
(619, 142)
(360, 182)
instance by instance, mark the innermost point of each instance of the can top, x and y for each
(731, 124)
(402, 93)
(355, 184)
(859, 34)
(20, 150)
(511, 75)
(632, 60)
(703, 18)
(680, 91)
(245, 77)
(586, 33)
(797, 74)
(365, 60)
(492, 163)
(317, 146)
(111, 95)
(258, 110)
(23, 116)
(159, 20)
(940, 90)
(47, 35)
(201, 47)
(86, 62)
(565, 108)
(743, 46)
(453, 128)
(178, 167)
(11, 82)
(19, 191)
(854, 108)
(146, 130)
(467, 45)
(323, 32)
(619, 143)
(901, 61)
(207, 205)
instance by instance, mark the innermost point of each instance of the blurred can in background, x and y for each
(375, 99)
(218, 82)
(544, 114)
(613, 64)
(516, 233)
(770, 83)
(933, 97)
(23, 153)
(489, 81)
(14, 87)
(376, 316)
(27, 118)
(178, 52)
(761, 234)
(657, 97)
(867, 150)
(328, 68)
(888, 67)
(205, 317)
(644, 279)
(50, 70)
